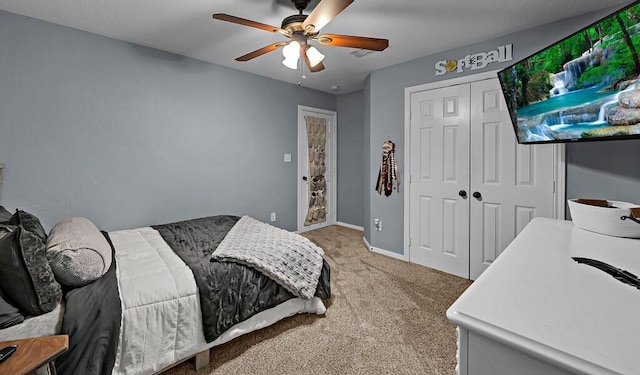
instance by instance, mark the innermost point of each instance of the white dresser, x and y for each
(537, 311)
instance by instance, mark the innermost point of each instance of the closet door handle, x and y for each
(477, 195)
(304, 178)
(462, 193)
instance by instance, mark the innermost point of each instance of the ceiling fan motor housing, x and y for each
(293, 23)
(300, 4)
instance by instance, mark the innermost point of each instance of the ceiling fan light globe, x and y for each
(291, 50)
(291, 63)
(315, 56)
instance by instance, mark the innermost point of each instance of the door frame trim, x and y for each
(559, 152)
(333, 206)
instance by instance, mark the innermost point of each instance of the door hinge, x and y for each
(409, 241)
(554, 186)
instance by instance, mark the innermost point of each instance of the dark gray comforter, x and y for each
(229, 293)
(92, 321)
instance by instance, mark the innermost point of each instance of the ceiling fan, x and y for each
(303, 28)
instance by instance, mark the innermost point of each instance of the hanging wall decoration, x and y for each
(388, 177)
(316, 139)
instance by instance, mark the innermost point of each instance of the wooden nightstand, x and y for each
(33, 354)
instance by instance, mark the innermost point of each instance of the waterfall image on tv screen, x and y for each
(584, 87)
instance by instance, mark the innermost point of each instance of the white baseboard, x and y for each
(388, 253)
(351, 226)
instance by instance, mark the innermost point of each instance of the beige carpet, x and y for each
(386, 316)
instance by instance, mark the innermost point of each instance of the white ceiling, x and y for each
(415, 28)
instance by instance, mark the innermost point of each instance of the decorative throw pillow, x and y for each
(29, 222)
(9, 315)
(78, 253)
(25, 274)
(4, 214)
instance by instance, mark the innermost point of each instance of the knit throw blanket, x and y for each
(287, 258)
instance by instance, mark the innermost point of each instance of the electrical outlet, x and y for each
(273, 216)
(377, 224)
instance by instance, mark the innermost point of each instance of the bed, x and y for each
(173, 291)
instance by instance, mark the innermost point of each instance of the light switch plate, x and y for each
(287, 158)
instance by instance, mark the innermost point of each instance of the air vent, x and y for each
(361, 53)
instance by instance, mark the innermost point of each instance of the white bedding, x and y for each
(161, 316)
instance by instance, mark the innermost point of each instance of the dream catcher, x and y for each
(388, 177)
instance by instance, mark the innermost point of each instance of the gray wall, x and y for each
(366, 151)
(386, 117)
(350, 160)
(604, 170)
(130, 136)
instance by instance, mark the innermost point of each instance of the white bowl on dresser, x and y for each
(605, 220)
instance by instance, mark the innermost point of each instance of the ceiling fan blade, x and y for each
(336, 40)
(261, 51)
(323, 14)
(246, 22)
(318, 67)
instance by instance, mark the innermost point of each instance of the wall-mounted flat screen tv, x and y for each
(582, 88)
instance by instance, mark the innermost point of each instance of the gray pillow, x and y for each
(28, 222)
(25, 275)
(4, 214)
(9, 315)
(78, 253)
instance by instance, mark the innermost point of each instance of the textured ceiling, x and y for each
(415, 28)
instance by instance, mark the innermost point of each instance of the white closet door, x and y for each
(439, 215)
(510, 183)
